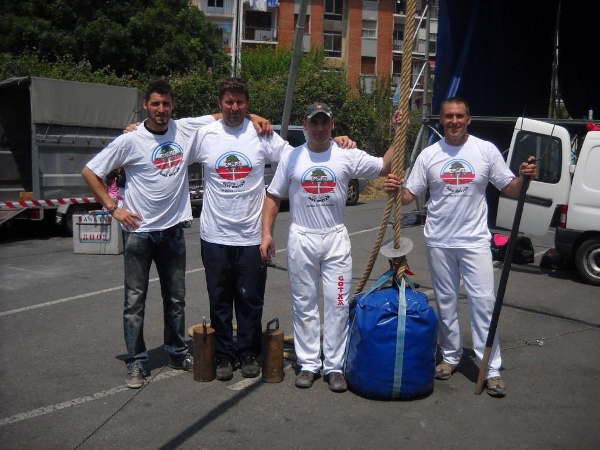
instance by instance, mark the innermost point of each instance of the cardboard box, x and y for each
(97, 234)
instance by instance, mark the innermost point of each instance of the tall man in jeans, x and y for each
(156, 202)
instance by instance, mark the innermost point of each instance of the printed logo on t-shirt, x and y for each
(233, 167)
(457, 173)
(319, 182)
(167, 158)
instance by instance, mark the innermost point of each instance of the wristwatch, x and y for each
(112, 210)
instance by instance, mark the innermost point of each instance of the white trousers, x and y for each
(475, 265)
(325, 254)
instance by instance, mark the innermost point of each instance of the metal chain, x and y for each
(541, 341)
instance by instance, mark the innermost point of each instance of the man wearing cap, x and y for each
(316, 175)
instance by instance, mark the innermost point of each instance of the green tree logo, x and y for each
(233, 163)
(318, 177)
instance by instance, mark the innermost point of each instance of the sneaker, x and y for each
(185, 362)
(495, 387)
(224, 370)
(305, 379)
(250, 368)
(337, 382)
(135, 377)
(444, 370)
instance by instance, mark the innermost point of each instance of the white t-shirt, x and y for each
(155, 165)
(234, 186)
(457, 177)
(318, 182)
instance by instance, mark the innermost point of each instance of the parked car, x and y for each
(295, 136)
(196, 178)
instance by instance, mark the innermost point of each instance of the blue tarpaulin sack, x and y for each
(392, 341)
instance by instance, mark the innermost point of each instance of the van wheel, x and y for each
(353, 194)
(587, 261)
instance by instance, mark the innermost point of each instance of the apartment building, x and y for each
(364, 36)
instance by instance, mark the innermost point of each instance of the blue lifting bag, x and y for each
(392, 341)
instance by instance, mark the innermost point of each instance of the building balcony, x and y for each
(420, 46)
(421, 4)
(263, 35)
(221, 8)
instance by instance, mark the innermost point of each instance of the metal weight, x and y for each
(204, 353)
(272, 353)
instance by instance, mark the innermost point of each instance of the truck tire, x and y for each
(587, 261)
(353, 194)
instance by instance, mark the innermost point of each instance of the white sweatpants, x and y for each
(475, 265)
(325, 254)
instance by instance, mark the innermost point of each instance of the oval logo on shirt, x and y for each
(318, 180)
(233, 166)
(167, 158)
(457, 172)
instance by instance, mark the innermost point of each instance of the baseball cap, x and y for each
(317, 108)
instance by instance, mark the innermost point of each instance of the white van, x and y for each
(565, 194)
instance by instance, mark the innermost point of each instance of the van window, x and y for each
(547, 151)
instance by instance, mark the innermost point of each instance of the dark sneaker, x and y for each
(444, 370)
(495, 387)
(337, 382)
(250, 368)
(135, 377)
(305, 379)
(182, 363)
(224, 370)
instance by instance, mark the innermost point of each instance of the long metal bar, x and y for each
(296, 54)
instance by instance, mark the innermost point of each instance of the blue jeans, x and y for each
(235, 279)
(167, 249)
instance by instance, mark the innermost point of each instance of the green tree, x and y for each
(134, 38)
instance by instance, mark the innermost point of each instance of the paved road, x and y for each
(62, 375)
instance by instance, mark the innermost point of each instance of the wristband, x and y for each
(112, 210)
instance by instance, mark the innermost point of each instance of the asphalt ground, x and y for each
(62, 376)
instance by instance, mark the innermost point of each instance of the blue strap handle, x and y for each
(401, 331)
(387, 277)
(381, 281)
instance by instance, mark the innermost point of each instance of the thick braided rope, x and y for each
(399, 146)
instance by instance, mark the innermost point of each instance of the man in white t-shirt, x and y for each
(457, 170)
(155, 203)
(234, 157)
(316, 175)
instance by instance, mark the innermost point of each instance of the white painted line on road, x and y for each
(55, 302)
(244, 383)
(22, 270)
(78, 401)
(77, 297)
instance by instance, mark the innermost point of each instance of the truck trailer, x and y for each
(49, 129)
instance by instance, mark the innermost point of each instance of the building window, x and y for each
(332, 43)
(367, 65)
(369, 29)
(306, 22)
(334, 9)
(432, 43)
(215, 3)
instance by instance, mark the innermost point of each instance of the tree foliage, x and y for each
(366, 117)
(135, 38)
